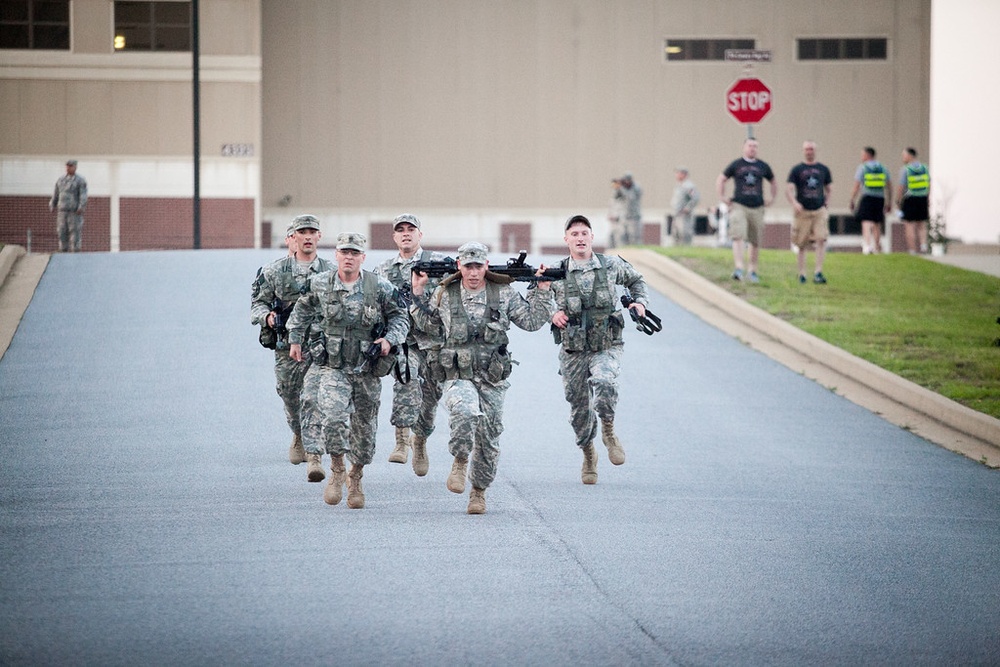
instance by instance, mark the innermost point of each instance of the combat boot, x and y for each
(456, 480)
(334, 490)
(401, 453)
(615, 452)
(420, 463)
(355, 496)
(314, 473)
(477, 501)
(296, 452)
(589, 472)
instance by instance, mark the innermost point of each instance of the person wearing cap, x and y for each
(475, 308)
(69, 202)
(352, 310)
(588, 327)
(630, 194)
(684, 200)
(274, 292)
(290, 239)
(414, 402)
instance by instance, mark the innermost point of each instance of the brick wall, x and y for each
(18, 214)
(167, 223)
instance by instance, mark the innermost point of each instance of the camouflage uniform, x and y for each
(285, 280)
(340, 402)
(69, 200)
(414, 403)
(591, 344)
(474, 362)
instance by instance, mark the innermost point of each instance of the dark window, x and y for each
(703, 49)
(843, 48)
(34, 24)
(152, 26)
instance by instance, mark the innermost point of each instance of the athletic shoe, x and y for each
(819, 278)
(754, 278)
(738, 274)
(802, 280)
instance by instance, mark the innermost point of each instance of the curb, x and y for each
(8, 257)
(935, 407)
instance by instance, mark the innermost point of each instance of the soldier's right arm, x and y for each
(261, 297)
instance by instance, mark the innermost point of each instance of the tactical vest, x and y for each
(476, 350)
(918, 181)
(874, 176)
(347, 324)
(595, 323)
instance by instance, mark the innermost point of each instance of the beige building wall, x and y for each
(477, 112)
(122, 113)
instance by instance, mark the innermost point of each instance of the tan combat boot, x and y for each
(314, 473)
(615, 452)
(589, 472)
(334, 490)
(420, 463)
(355, 496)
(401, 453)
(296, 452)
(456, 480)
(477, 501)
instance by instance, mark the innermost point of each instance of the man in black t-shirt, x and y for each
(746, 206)
(808, 191)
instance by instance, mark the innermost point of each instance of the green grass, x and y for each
(932, 324)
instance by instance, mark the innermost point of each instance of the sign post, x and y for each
(748, 101)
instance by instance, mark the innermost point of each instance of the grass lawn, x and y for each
(932, 324)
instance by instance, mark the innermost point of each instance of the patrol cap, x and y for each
(682, 168)
(406, 217)
(304, 222)
(473, 253)
(290, 230)
(578, 218)
(352, 241)
(70, 163)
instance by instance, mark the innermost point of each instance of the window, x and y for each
(844, 48)
(703, 49)
(34, 24)
(152, 26)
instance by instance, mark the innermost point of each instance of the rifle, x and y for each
(516, 269)
(648, 323)
(373, 354)
(271, 336)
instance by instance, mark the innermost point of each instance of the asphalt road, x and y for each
(149, 515)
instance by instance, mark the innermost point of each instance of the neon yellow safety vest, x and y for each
(874, 180)
(918, 181)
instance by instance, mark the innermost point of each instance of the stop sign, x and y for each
(748, 100)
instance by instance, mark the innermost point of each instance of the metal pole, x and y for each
(196, 112)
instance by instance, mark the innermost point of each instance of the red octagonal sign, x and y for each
(748, 100)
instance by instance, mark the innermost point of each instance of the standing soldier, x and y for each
(588, 325)
(275, 291)
(414, 399)
(69, 201)
(353, 312)
(475, 311)
(872, 182)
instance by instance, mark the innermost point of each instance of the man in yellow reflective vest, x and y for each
(912, 195)
(872, 181)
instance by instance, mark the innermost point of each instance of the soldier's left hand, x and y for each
(639, 309)
(386, 346)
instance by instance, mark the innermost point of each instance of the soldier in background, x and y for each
(351, 310)
(588, 326)
(69, 201)
(414, 399)
(276, 289)
(683, 203)
(475, 311)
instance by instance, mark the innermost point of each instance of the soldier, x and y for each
(414, 399)
(475, 310)
(588, 325)
(352, 311)
(275, 291)
(69, 200)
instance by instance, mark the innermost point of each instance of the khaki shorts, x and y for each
(746, 224)
(811, 226)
